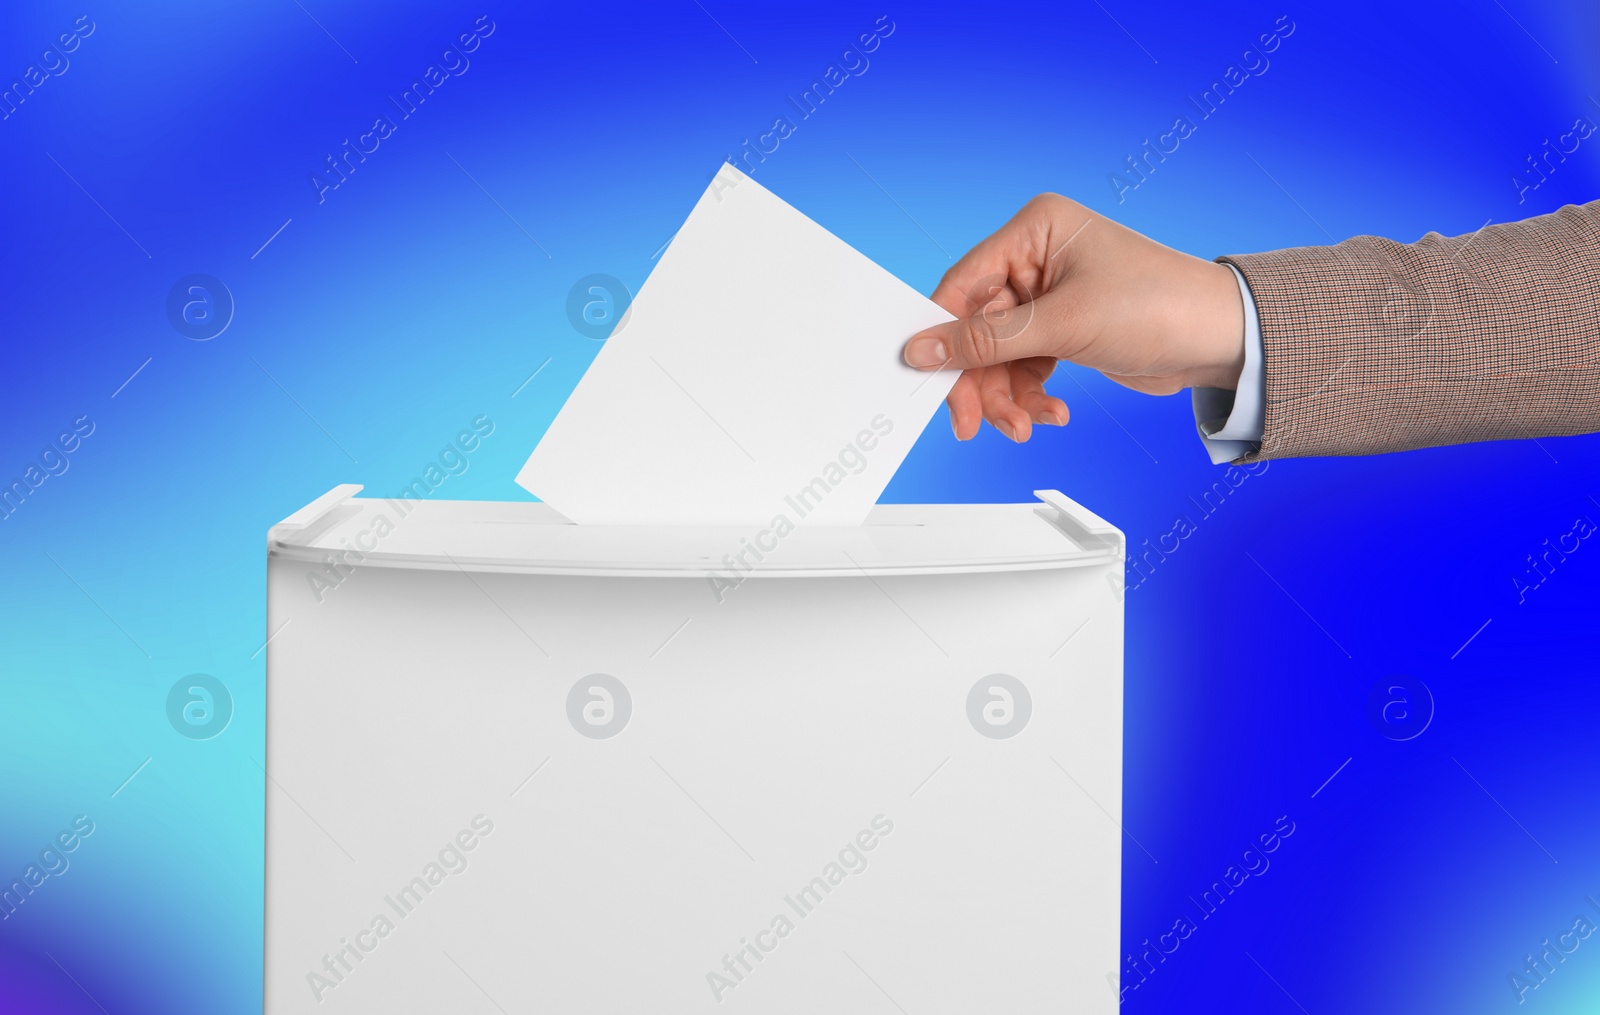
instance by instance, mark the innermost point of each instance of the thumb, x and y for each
(999, 335)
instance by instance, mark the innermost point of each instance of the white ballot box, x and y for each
(522, 765)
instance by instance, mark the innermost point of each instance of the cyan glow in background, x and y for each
(379, 321)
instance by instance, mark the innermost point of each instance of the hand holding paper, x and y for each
(1061, 282)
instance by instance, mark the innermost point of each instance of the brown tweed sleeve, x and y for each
(1372, 345)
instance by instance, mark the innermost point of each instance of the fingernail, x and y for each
(1053, 418)
(1005, 427)
(926, 352)
(954, 429)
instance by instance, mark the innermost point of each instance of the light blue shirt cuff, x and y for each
(1230, 422)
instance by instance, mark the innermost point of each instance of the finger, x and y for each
(966, 406)
(1019, 261)
(1027, 390)
(982, 276)
(989, 293)
(1039, 327)
(994, 385)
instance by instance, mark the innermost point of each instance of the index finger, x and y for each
(982, 277)
(1011, 266)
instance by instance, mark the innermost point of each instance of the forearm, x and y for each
(1371, 345)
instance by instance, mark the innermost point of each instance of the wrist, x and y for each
(1215, 327)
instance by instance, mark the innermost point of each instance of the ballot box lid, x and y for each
(529, 537)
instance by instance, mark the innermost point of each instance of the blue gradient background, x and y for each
(407, 303)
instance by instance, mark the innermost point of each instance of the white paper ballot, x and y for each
(756, 374)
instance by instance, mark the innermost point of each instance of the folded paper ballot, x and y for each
(757, 375)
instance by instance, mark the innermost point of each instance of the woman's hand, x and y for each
(1061, 282)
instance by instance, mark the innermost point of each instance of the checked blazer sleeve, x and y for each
(1372, 345)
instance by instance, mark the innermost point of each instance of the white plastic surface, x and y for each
(530, 537)
(583, 793)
